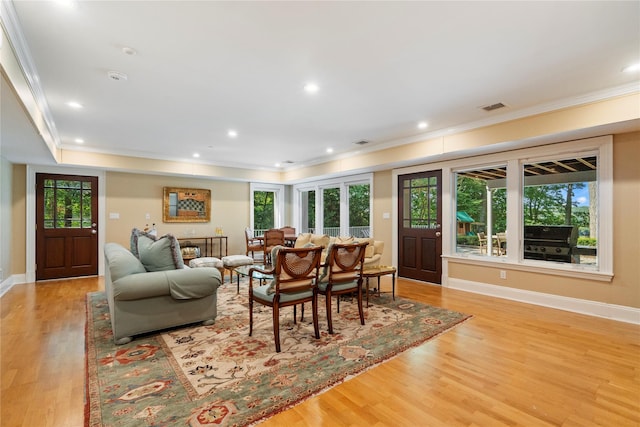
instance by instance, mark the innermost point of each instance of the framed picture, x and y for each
(186, 205)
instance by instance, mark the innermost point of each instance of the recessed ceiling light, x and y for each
(196, 155)
(277, 165)
(632, 68)
(71, 4)
(129, 50)
(74, 104)
(79, 141)
(329, 150)
(232, 133)
(311, 88)
(423, 125)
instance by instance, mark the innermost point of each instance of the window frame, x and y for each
(278, 209)
(515, 160)
(343, 184)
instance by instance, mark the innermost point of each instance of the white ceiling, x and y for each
(205, 67)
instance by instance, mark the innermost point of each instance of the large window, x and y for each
(539, 208)
(481, 216)
(560, 209)
(339, 207)
(267, 206)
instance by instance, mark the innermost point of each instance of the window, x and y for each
(537, 207)
(560, 209)
(481, 214)
(267, 207)
(338, 207)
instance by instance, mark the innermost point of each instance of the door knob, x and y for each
(438, 234)
(93, 231)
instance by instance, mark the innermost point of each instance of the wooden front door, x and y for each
(66, 226)
(419, 227)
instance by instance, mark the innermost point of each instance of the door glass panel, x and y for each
(308, 211)
(331, 211)
(420, 203)
(359, 211)
(264, 203)
(67, 204)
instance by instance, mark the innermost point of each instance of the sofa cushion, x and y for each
(136, 235)
(121, 262)
(159, 254)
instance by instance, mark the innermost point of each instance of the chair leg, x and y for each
(250, 316)
(301, 312)
(314, 308)
(328, 305)
(295, 306)
(276, 326)
(360, 311)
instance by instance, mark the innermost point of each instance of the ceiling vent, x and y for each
(363, 142)
(493, 106)
(117, 76)
(287, 162)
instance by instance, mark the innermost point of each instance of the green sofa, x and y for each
(144, 301)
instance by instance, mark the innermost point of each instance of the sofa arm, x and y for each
(180, 284)
(140, 286)
(194, 282)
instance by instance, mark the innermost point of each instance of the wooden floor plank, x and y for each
(512, 364)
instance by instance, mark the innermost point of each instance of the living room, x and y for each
(131, 188)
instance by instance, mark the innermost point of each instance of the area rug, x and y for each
(219, 375)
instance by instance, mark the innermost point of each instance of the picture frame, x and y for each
(186, 205)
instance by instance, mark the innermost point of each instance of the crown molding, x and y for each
(15, 38)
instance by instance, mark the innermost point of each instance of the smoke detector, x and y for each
(117, 76)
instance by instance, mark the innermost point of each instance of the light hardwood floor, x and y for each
(512, 364)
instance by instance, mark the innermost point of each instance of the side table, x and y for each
(379, 271)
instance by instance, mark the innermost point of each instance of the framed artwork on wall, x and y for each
(186, 205)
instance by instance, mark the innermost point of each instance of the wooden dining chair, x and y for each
(343, 275)
(482, 242)
(272, 238)
(252, 244)
(295, 275)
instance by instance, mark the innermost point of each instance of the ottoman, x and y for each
(208, 261)
(232, 261)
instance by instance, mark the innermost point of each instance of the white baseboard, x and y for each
(11, 281)
(592, 308)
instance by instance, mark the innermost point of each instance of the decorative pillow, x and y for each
(138, 235)
(344, 240)
(370, 250)
(320, 240)
(160, 255)
(303, 239)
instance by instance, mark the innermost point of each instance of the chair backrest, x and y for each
(288, 230)
(273, 237)
(482, 237)
(345, 262)
(248, 234)
(296, 269)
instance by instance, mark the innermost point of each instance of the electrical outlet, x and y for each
(503, 274)
(147, 216)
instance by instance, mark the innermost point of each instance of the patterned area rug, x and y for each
(218, 375)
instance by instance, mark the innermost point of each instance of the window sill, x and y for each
(538, 267)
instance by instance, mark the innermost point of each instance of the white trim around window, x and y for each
(278, 189)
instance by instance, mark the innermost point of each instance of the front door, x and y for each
(419, 227)
(66, 226)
